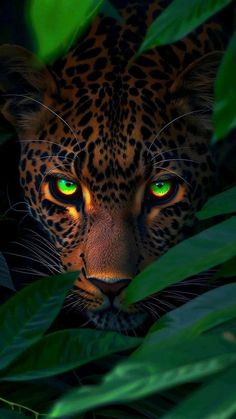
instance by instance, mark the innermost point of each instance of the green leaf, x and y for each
(223, 203)
(197, 316)
(213, 400)
(10, 414)
(224, 116)
(5, 276)
(29, 313)
(228, 269)
(178, 19)
(211, 247)
(56, 25)
(166, 367)
(64, 350)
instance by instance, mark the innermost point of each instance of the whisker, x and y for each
(173, 160)
(174, 120)
(41, 251)
(173, 149)
(29, 272)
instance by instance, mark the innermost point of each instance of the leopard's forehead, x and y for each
(110, 117)
(110, 98)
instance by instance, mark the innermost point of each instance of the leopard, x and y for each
(115, 151)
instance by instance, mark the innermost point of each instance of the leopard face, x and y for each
(114, 152)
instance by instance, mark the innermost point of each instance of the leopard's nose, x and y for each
(110, 287)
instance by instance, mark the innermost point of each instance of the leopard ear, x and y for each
(25, 85)
(193, 89)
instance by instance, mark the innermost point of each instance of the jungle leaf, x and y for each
(215, 399)
(29, 313)
(64, 350)
(56, 25)
(165, 367)
(178, 19)
(5, 276)
(197, 316)
(224, 116)
(223, 203)
(209, 248)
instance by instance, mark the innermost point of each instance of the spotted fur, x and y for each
(114, 124)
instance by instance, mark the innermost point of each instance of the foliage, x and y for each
(5, 276)
(210, 248)
(186, 364)
(178, 19)
(225, 104)
(55, 28)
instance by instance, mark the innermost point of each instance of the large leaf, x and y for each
(57, 24)
(216, 399)
(27, 315)
(5, 276)
(177, 20)
(199, 253)
(224, 116)
(64, 350)
(167, 366)
(223, 203)
(197, 316)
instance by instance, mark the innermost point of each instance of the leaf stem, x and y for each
(21, 407)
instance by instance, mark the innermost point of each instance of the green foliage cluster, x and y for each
(185, 367)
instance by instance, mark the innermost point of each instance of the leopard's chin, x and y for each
(119, 321)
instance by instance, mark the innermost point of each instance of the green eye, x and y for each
(162, 191)
(66, 187)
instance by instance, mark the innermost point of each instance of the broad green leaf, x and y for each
(64, 350)
(178, 19)
(209, 248)
(56, 24)
(214, 400)
(224, 116)
(10, 414)
(223, 203)
(197, 316)
(29, 313)
(166, 367)
(5, 276)
(228, 269)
